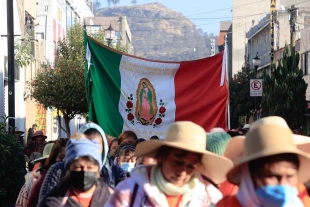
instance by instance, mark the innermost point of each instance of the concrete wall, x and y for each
(244, 11)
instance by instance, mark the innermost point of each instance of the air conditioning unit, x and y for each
(16, 70)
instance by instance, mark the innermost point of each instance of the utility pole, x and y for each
(212, 47)
(272, 10)
(293, 13)
(11, 75)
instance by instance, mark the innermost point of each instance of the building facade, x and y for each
(53, 18)
(259, 41)
(118, 23)
(246, 14)
(21, 13)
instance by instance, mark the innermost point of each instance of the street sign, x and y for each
(256, 87)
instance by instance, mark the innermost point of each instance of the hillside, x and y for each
(161, 33)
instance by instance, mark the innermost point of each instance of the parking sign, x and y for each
(256, 87)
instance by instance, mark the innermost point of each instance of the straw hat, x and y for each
(186, 135)
(267, 136)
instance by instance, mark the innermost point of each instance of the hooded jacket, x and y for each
(57, 170)
(139, 183)
(104, 139)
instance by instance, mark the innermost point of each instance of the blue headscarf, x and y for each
(80, 148)
(104, 139)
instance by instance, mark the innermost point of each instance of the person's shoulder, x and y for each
(59, 190)
(54, 197)
(102, 192)
(57, 165)
(229, 201)
(56, 170)
(127, 184)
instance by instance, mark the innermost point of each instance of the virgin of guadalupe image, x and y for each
(146, 102)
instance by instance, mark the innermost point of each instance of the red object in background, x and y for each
(200, 98)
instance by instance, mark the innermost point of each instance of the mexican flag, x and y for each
(125, 92)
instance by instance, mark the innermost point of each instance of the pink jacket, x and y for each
(123, 193)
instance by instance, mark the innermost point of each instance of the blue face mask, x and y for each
(277, 195)
(127, 166)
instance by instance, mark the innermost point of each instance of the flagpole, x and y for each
(227, 79)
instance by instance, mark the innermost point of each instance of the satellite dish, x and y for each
(91, 22)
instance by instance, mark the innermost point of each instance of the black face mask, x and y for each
(83, 180)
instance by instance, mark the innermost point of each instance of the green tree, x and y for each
(285, 90)
(12, 166)
(22, 48)
(61, 85)
(241, 103)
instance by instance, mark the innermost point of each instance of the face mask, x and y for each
(278, 195)
(127, 166)
(83, 180)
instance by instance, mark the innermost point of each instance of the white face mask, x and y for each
(127, 166)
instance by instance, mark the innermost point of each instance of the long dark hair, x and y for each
(58, 144)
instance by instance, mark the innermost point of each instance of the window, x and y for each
(71, 16)
(68, 15)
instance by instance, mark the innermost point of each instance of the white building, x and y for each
(19, 72)
(52, 20)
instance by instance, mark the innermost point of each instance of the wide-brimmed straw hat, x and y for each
(267, 136)
(186, 135)
(39, 134)
(46, 152)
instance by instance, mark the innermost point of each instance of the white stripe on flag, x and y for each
(88, 56)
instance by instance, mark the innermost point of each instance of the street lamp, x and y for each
(256, 63)
(109, 34)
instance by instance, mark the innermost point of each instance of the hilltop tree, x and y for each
(61, 85)
(114, 2)
(134, 1)
(285, 91)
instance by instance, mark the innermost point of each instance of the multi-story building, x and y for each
(53, 18)
(119, 24)
(246, 14)
(259, 41)
(22, 14)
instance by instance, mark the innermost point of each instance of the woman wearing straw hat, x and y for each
(174, 180)
(269, 168)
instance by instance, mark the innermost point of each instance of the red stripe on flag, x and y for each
(198, 95)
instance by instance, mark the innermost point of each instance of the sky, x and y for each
(205, 14)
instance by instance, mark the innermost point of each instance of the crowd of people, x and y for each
(266, 165)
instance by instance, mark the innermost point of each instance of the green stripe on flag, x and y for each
(103, 87)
